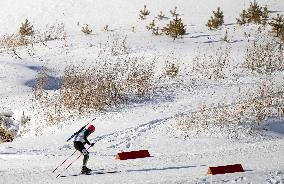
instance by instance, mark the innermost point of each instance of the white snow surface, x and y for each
(139, 125)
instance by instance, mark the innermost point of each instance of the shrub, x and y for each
(216, 20)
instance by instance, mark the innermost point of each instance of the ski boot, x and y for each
(85, 170)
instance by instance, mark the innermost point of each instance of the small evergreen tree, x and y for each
(174, 12)
(254, 13)
(144, 13)
(172, 70)
(151, 25)
(155, 29)
(175, 28)
(226, 37)
(281, 35)
(26, 29)
(161, 16)
(277, 24)
(243, 18)
(264, 15)
(86, 29)
(217, 20)
(106, 28)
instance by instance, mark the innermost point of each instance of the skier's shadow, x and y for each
(160, 169)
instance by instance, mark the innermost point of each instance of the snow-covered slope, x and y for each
(140, 124)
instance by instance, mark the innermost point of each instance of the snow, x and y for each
(140, 124)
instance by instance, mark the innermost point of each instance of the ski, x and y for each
(94, 172)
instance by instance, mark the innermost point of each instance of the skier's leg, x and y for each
(80, 147)
(86, 157)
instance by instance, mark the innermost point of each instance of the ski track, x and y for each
(183, 163)
(130, 134)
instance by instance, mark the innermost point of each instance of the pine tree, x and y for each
(144, 13)
(264, 15)
(226, 37)
(217, 20)
(86, 29)
(175, 28)
(277, 24)
(243, 18)
(254, 13)
(174, 12)
(26, 29)
(281, 35)
(155, 29)
(161, 16)
(151, 25)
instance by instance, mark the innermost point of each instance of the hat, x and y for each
(91, 128)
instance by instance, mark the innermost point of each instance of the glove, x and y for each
(92, 144)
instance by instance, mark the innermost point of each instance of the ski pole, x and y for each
(72, 163)
(64, 161)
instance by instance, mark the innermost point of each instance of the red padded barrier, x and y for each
(225, 169)
(132, 155)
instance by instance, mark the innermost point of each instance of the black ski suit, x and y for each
(79, 141)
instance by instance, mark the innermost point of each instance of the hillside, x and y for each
(196, 101)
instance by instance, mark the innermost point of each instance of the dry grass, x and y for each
(264, 103)
(51, 32)
(13, 41)
(212, 66)
(264, 55)
(38, 89)
(109, 81)
(105, 85)
(119, 46)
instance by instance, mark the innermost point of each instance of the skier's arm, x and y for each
(86, 134)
